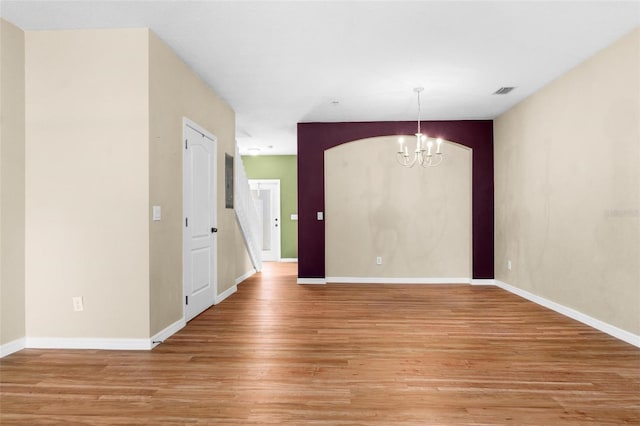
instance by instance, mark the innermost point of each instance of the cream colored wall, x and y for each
(12, 169)
(418, 220)
(567, 192)
(177, 92)
(87, 191)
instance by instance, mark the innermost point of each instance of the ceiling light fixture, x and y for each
(424, 146)
(253, 151)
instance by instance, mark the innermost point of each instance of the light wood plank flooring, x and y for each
(281, 353)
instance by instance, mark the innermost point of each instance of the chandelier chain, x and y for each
(418, 90)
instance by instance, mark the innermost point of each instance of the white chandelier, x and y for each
(423, 153)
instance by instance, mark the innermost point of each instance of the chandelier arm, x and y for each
(438, 159)
(426, 162)
(432, 160)
(404, 160)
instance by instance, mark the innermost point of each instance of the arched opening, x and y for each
(315, 138)
(388, 223)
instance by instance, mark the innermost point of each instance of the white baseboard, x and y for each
(169, 331)
(383, 280)
(228, 292)
(312, 281)
(482, 281)
(91, 343)
(387, 280)
(87, 343)
(289, 259)
(245, 276)
(11, 347)
(611, 330)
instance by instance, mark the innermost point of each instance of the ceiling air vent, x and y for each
(503, 90)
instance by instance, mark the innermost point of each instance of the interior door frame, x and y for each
(279, 200)
(185, 210)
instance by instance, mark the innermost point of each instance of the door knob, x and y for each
(214, 230)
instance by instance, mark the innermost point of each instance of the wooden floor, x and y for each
(281, 353)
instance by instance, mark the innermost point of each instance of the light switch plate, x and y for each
(320, 215)
(294, 217)
(78, 304)
(157, 213)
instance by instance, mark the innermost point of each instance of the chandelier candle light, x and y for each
(424, 146)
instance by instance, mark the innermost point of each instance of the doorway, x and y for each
(199, 220)
(266, 197)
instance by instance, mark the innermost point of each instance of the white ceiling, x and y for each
(279, 63)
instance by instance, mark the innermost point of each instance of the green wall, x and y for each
(285, 168)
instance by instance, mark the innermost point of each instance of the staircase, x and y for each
(246, 212)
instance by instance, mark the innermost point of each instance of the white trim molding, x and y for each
(87, 343)
(312, 281)
(11, 347)
(611, 330)
(169, 331)
(228, 292)
(91, 343)
(245, 276)
(387, 280)
(289, 259)
(482, 281)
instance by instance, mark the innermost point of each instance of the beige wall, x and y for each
(87, 190)
(103, 121)
(12, 161)
(418, 220)
(177, 92)
(567, 193)
(104, 111)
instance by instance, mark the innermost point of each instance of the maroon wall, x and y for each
(314, 138)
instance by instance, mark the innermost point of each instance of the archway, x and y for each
(315, 138)
(388, 223)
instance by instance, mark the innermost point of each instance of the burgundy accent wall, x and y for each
(315, 138)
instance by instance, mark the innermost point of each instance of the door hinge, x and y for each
(186, 300)
(186, 221)
(186, 144)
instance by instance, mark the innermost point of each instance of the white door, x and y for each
(199, 222)
(266, 197)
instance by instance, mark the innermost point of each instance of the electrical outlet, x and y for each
(77, 304)
(508, 264)
(379, 260)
